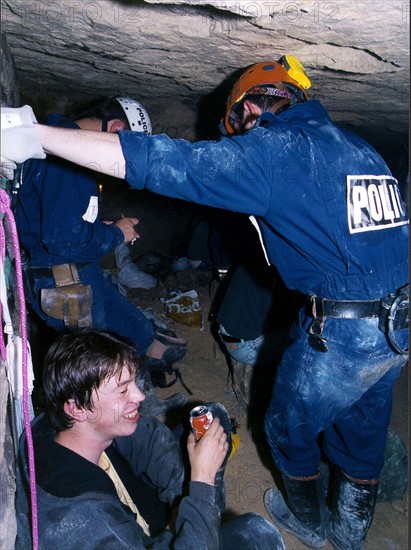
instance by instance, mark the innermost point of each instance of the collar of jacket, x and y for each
(62, 472)
(311, 109)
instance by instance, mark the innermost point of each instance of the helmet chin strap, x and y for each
(281, 106)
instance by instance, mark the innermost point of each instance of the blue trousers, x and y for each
(110, 309)
(245, 351)
(338, 402)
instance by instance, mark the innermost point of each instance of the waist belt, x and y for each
(229, 339)
(63, 274)
(392, 313)
(345, 309)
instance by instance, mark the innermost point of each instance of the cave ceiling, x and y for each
(179, 57)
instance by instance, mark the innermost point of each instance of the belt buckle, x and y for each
(315, 332)
(316, 338)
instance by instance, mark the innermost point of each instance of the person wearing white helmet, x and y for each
(117, 113)
(56, 210)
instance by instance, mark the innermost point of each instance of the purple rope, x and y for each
(5, 207)
(3, 353)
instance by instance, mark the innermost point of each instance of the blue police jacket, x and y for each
(328, 210)
(56, 211)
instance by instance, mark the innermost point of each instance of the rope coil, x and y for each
(5, 208)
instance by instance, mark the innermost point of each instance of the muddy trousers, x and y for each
(110, 309)
(338, 402)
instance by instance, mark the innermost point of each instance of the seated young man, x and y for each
(107, 478)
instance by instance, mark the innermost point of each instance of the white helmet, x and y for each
(137, 116)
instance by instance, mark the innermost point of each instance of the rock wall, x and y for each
(174, 54)
(9, 87)
(10, 95)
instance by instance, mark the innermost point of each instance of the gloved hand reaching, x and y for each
(19, 140)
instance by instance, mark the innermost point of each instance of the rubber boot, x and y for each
(352, 511)
(152, 405)
(305, 513)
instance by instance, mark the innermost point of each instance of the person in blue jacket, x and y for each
(332, 221)
(108, 479)
(56, 210)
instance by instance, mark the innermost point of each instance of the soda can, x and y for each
(200, 420)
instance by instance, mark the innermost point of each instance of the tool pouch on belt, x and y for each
(70, 300)
(394, 315)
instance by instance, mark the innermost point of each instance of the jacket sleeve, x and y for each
(233, 171)
(154, 450)
(198, 520)
(69, 225)
(95, 521)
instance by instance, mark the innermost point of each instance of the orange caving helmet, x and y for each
(264, 79)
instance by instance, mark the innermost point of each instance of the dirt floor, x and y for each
(249, 472)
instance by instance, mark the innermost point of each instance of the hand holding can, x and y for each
(206, 451)
(200, 420)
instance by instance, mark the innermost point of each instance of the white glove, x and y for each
(19, 140)
(7, 168)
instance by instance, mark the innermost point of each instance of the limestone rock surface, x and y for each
(179, 57)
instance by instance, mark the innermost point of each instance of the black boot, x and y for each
(305, 513)
(352, 511)
(152, 405)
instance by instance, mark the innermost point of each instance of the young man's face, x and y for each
(115, 407)
(251, 112)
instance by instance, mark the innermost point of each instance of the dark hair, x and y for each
(76, 364)
(106, 110)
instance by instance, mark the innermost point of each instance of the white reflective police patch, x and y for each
(142, 122)
(374, 202)
(90, 215)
